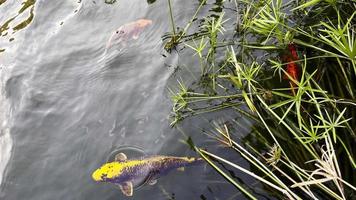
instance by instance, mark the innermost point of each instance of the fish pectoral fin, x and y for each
(152, 182)
(135, 36)
(120, 157)
(181, 169)
(126, 188)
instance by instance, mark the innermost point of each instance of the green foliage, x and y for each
(300, 94)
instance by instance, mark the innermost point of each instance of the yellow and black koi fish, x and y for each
(125, 173)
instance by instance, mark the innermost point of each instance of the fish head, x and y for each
(117, 36)
(108, 172)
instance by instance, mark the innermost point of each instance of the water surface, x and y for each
(66, 104)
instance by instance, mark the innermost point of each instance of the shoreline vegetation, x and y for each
(290, 68)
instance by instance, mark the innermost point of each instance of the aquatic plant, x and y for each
(300, 94)
(177, 35)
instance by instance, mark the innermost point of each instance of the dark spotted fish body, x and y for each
(127, 172)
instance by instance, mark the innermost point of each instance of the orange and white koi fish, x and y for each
(128, 31)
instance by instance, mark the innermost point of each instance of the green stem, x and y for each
(171, 15)
(191, 20)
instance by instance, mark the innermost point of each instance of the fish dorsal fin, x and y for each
(121, 157)
(126, 188)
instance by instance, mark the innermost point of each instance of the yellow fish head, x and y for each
(107, 172)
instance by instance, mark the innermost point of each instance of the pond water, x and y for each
(66, 104)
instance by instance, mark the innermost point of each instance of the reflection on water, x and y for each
(25, 22)
(70, 105)
(2, 1)
(5, 149)
(114, 1)
(12, 23)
